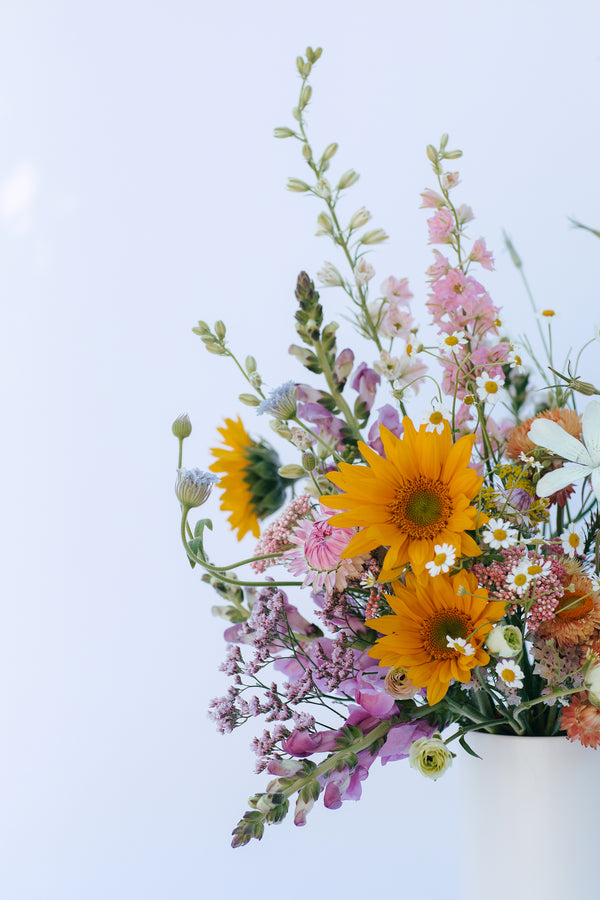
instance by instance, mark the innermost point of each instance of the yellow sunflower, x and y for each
(252, 487)
(437, 630)
(418, 496)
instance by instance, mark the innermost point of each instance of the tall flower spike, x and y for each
(585, 457)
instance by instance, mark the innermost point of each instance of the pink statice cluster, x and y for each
(542, 591)
(276, 537)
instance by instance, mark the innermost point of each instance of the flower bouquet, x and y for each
(437, 518)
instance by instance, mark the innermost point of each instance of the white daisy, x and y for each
(444, 559)
(488, 388)
(536, 569)
(499, 535)
(436, 416)
(585, 455)
(449, 342)
(510, 673)
(572, 540)
(460, 645)
(518, 579)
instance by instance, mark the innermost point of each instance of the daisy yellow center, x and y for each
(548, 313)
(574, 605)
(574, 540)
(439, 559)
(534, 570)
(421, 508)
(451, 340)
(436, 418)
(498, 323)
(491, 387)
(500, 534)
(517, 360)
(444, 624)
(508, 675)
(520, 579)
(469, 400)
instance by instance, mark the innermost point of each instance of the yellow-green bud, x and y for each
(360, 218)
(250, 364)
(291, 471)
(249, 400)
(453, 154)
(305, 95)
(295, 184)
(376, 236)
(329, 151)
(309, 461)
(307, 152)
(255, 380)
(296, 114)
(348, 179)
(299, 64)
(443, 142)
(310, 55)
(430, 756)
(432, 153)
(201, 328)
(582, 387)
(280, 428)
(283, 132)
(215, 348)
(220, 329)
(182, 426)
(325, 225)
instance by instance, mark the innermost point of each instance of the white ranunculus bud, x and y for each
(430, 756)
(504, 640)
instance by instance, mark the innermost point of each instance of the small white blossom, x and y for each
(510, 673)
(442, 562)
(488, 388)
(499, 535)
(329, 275)
(436, 416)
(518, 579)
(363, 272)
(460, 645)
(449, 342)
(572, 540)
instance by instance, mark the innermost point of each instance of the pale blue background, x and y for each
(140, 190)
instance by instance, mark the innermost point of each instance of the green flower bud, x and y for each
(376, 236)
(283, 132)
(291, 471)
(453, 154)
(220, 330)
(193, 487)
(201, 328)
(309, 461)
(329, 151)
(250, 365)
(325, 225)
(249, 400)
(348, 179)
(430, 756)
(182, 426)
(432, 153)
(296, 185)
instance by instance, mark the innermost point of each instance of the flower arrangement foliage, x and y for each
(445, 559)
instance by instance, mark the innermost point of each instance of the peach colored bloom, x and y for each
(577, 615)
(519, 441)
(581, 720)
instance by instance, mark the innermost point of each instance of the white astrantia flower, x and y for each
(499, 535)
(572, 540)
(510, 673)
(583, 457)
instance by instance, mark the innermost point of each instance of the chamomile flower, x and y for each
(546, 315)
(435, 417)
(499, 535)
(488, 388)
(572, 540)
(442, 562)
(510, 673)
(461, 645)
(518, 579)
(451, 342)
(537, 570)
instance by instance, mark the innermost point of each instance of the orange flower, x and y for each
(577, 615)
(581, 720)
(437, 630)
(519, 441)
(418, 496)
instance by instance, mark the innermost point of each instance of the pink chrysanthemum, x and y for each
(318, 556)
(581, 720)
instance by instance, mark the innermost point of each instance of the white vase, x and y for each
(531, 825)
